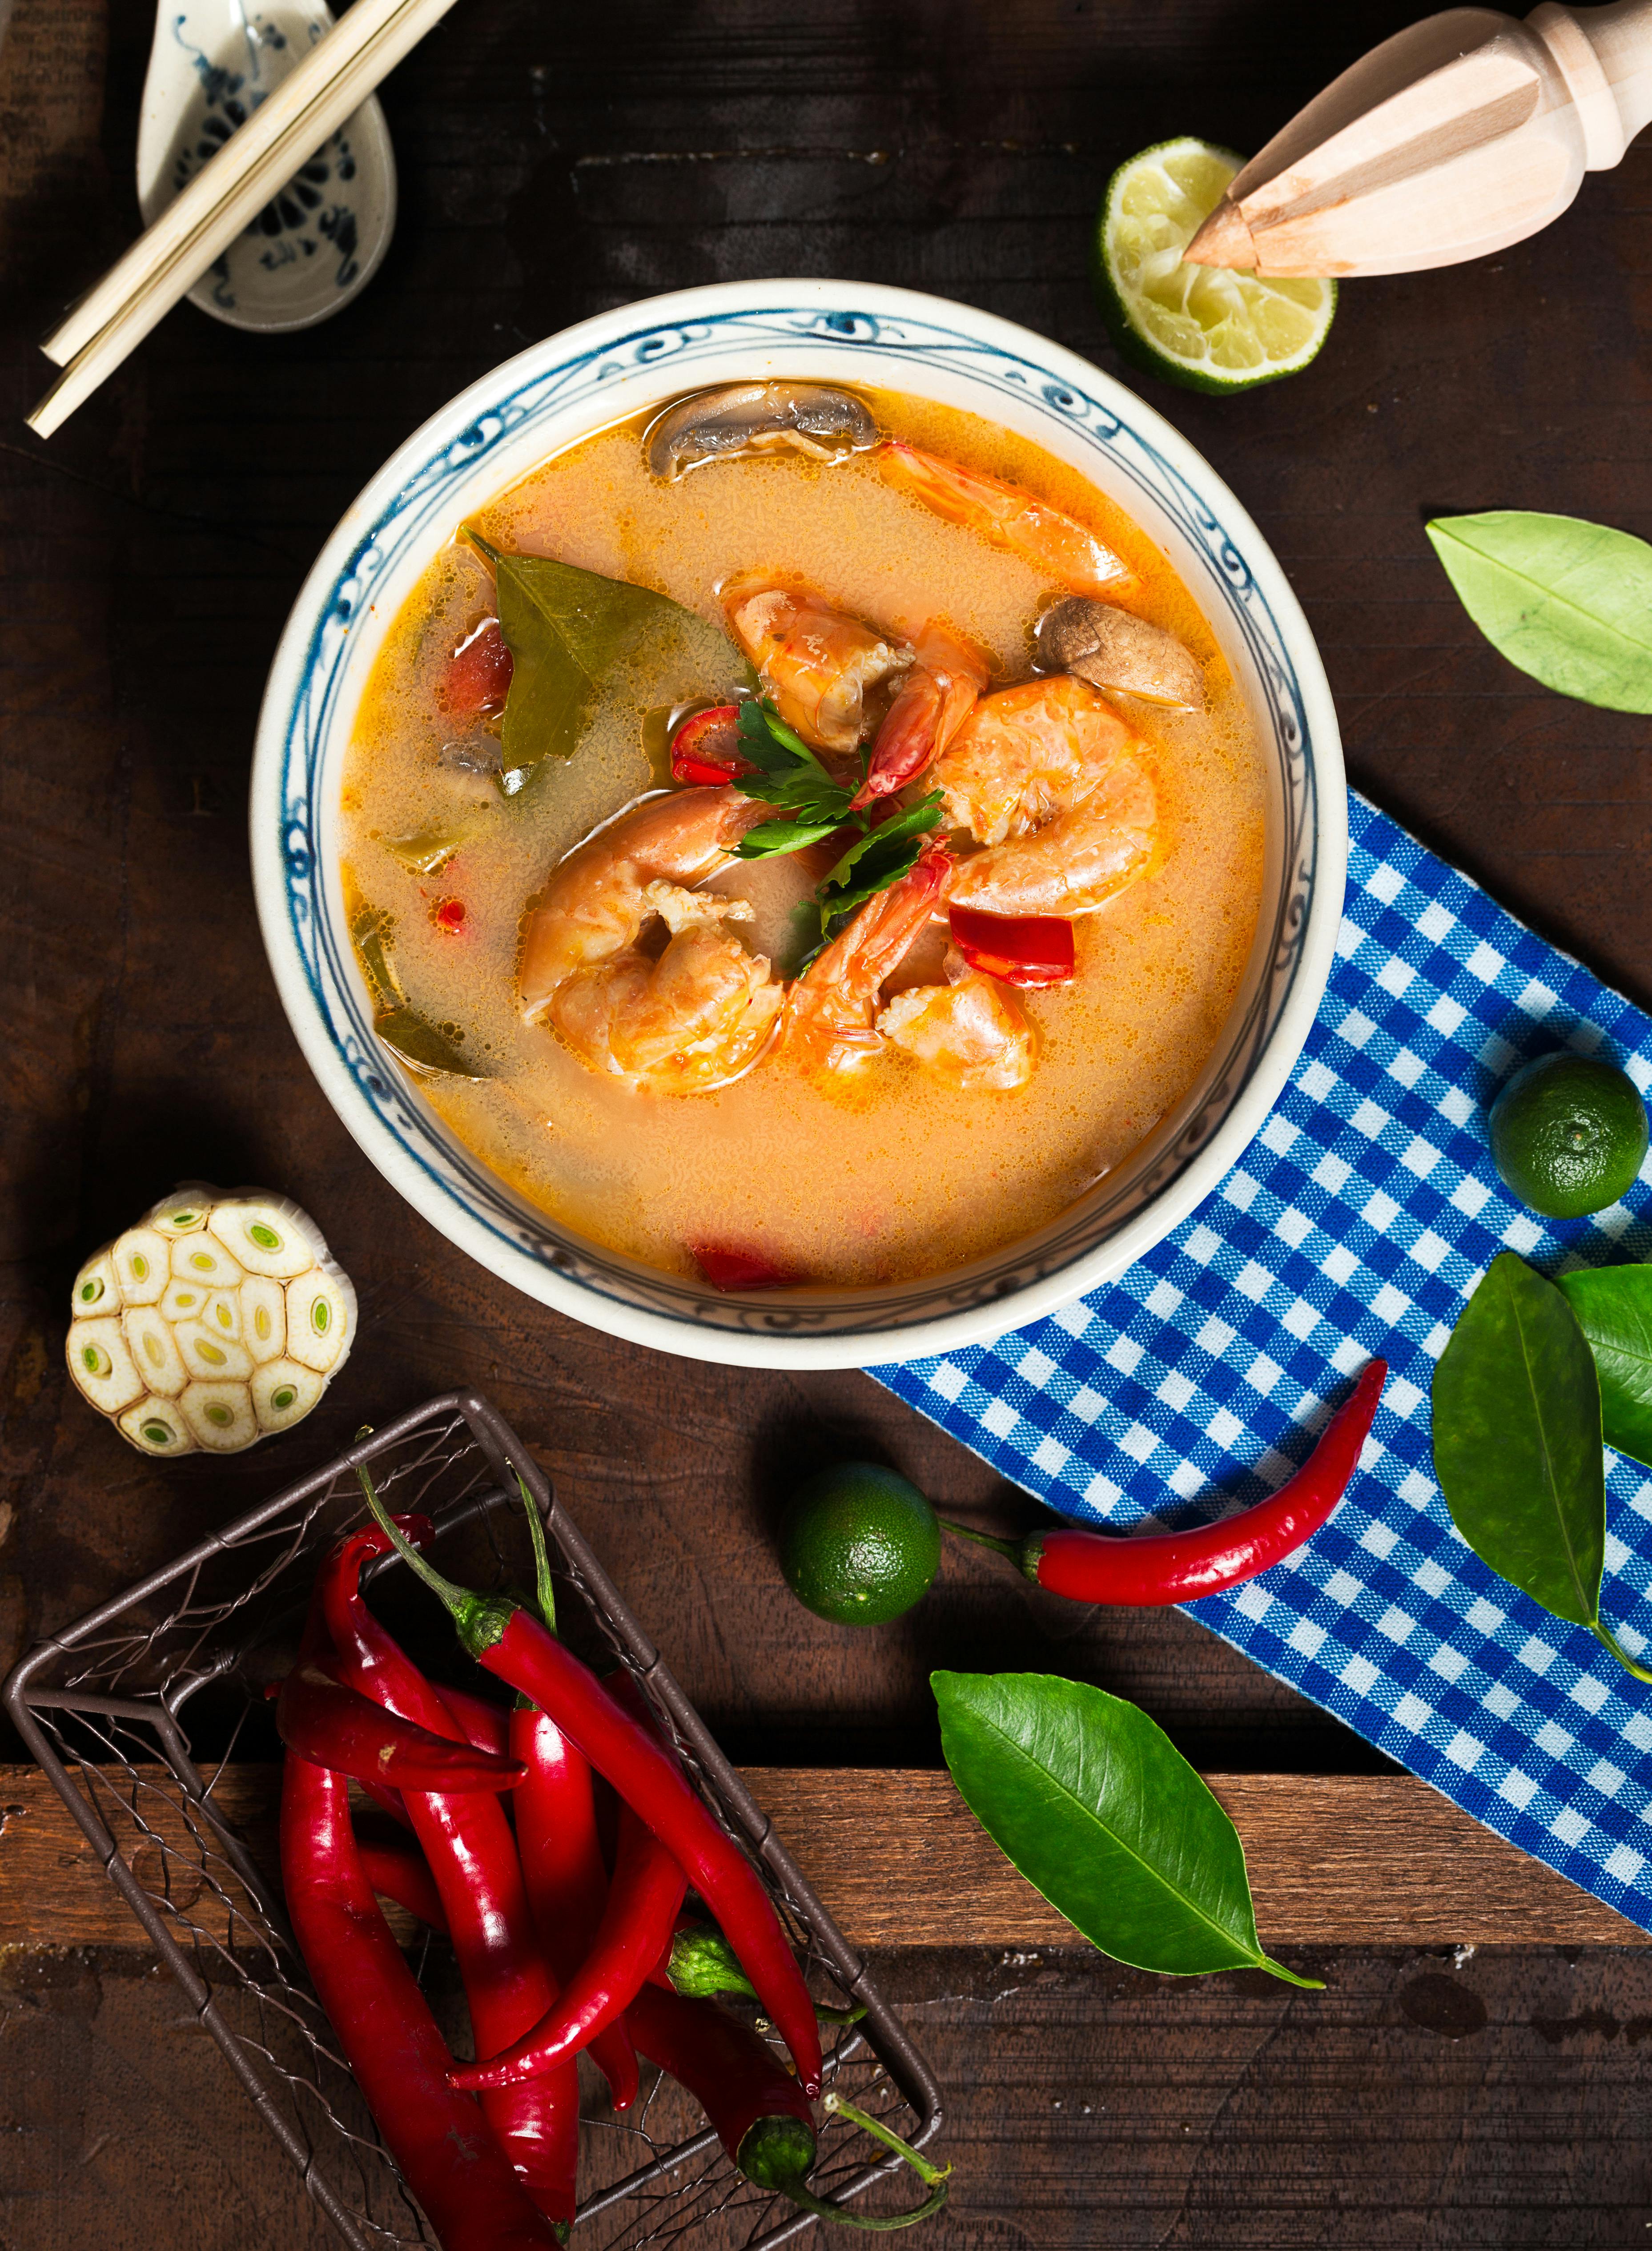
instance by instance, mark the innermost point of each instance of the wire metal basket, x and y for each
(114, 1709)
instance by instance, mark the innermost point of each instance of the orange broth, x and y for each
(887, 1174)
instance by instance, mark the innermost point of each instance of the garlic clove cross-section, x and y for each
(214, 1321)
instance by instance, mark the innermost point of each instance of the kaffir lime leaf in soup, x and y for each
(1204, 327)
(858, 1544)
(1568, 1135)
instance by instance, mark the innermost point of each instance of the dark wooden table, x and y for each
(556, 161)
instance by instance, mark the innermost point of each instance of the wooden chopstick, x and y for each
(327, 86)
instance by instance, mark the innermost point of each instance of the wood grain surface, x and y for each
(555, 161)
(893, 1854)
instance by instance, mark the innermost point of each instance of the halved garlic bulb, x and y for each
(284, 1393)
(321, 1318)
(268, 1234)
(220, 1416)
(142, 1264)
(184, 1211)
(154, 1350)
(215, 1321)
(102, 1366)
(154, 1426)
(202, 1261)
(97, 1289)
(263, 1317)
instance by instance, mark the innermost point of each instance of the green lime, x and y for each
(1202, 326)
(858, 1544)
(1568, 1133)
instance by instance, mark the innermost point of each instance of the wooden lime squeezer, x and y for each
(1455, 138)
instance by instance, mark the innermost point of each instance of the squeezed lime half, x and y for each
(1202, 326)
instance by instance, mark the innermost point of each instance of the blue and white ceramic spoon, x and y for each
(314, 246)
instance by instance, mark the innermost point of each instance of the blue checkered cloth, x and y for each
(1357, 1223)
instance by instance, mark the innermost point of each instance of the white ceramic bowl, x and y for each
(611, 367)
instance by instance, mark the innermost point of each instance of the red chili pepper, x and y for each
(706, 748)
(401, 1873)
(1179, 1566)
(1016, 948)
(647, 1890)
(437, 2137)
(481, 1721)
(472, 1859)
(756, 2109)
(556, 1836)
(739, 1269)
(478, 677)
(448, 915)
(333, 1726)
(564, 1868)
(736, 2078)
(516, 1648)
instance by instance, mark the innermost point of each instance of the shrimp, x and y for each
(937, 697)
(967, 1031)
(704, 1012)
(1051, 780)
(816, 663)
(831, 1018)
(1057, 544)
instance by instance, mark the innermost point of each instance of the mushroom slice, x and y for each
(757, 418)
(140, 1265)
(154, 1426)
(101, 1365)
(97, 1286)
(219, 1416)
(263, 1317)
(149, 1336)
(283, 1393)
(321, 1318)
(1120, 652)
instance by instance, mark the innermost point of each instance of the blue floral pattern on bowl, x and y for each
(873, 337)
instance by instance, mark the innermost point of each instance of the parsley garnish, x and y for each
(815, 806)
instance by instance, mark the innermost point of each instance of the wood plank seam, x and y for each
(900, 1862)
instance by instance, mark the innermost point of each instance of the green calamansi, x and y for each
(1568, 1135)
(859, 1545)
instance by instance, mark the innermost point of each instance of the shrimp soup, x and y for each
(802, 835)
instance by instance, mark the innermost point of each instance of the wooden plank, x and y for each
(894, 1854)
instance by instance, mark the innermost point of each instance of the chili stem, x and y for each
(926, 2172)
(480, 1620)
(1010, 1548)
(824, 2208)
(1629, 1664)
(546, 1591)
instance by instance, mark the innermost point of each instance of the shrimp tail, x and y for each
(945, 683)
